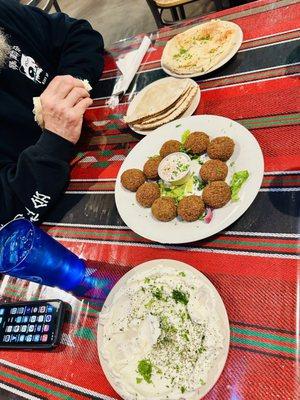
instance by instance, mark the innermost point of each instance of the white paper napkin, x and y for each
(129, 66)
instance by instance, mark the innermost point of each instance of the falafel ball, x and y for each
(151, 167)
(213, 170)
(147, 194)
(197, 142)
(169, 147)
(221, 148)
(190, 208)
(132, 179)
(216, 194)
(164, 209)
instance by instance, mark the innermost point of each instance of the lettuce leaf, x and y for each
(185, 135)
(177, 192)
(236, 183)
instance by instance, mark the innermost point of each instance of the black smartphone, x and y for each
(31, 324)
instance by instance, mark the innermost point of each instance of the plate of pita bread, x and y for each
(201, 49)
(161, 102)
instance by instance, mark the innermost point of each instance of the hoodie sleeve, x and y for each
(30, 187)
(75, 47)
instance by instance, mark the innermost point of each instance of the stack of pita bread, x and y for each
(161, 103)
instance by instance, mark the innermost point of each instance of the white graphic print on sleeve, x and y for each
(40, 200)
(27, 66)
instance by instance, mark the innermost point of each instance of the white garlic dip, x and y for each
(175, 168)
(161, 335)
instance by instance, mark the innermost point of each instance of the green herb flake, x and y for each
(185, 336)
(177, 126)
(181, 273)
(201, 218)
(180, 297)
(198, 183)
(139, 380)
(201, 381)
(207, 37)
(145, 370)
(201, 349)
(150, 303)
(182, 389)
(158, 294)
(147, 280)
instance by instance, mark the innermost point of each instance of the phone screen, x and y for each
(35, 324)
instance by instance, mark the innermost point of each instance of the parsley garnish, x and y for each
(145, 370)
(180, 297)
(158, 294)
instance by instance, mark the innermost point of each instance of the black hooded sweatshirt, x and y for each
(34, 165)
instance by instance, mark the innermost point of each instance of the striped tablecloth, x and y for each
(253, 263)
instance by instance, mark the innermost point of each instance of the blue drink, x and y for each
(29, 253)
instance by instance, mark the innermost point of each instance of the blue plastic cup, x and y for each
(29, 253)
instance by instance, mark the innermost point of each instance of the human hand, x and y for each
(64, 102)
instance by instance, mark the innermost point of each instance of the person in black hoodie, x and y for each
(47, 56)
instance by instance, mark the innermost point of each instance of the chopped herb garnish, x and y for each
(182, 316)
(139, 380)
(180, 297)
(202, 382)
(147, 280)
(207, 37)
(232, 163)
(185, 336)
(158, 294)
(177, 126)
(145, 370)
(150, 303)
(198, 183)
(181, 273)
(201, 218)
(182, 389)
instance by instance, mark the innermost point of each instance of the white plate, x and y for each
(137, 98)
(219, 307)
(247, 155)
(234, 50)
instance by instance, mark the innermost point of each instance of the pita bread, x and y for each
(200, 48)
(158, 98)
(178, 111)
(166, 113)
(38, 110)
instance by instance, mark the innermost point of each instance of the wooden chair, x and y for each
(46, 7)
(176, 8)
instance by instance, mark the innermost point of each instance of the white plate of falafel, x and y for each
(190, 179)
